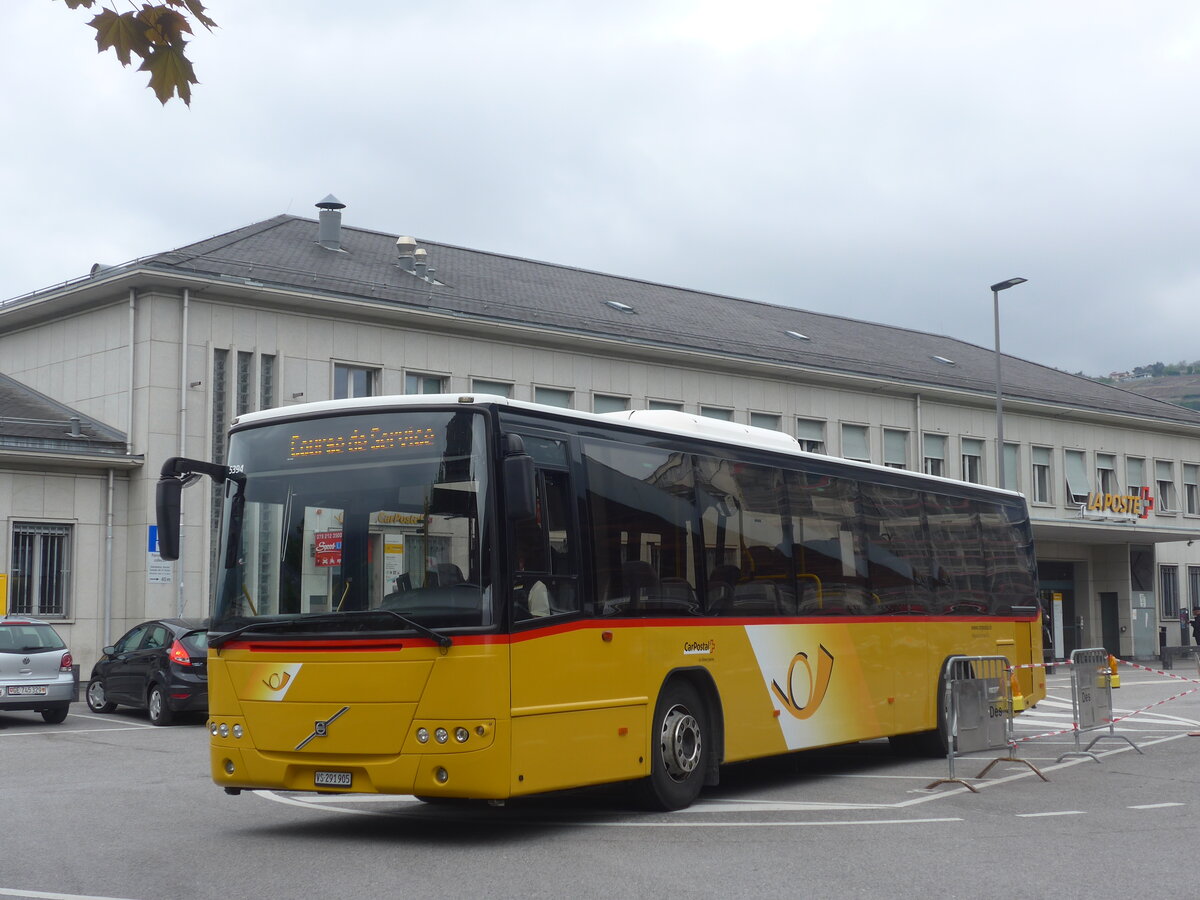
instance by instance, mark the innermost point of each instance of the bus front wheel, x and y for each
(679, 749)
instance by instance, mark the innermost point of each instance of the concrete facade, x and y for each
(167, 350)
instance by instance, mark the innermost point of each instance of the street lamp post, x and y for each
(996, 289)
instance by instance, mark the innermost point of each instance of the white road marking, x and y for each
(48, 895)
(4, 734)
(1157, 805)
(717, 807)
(1065, 812)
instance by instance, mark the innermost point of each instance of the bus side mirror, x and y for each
(166, 503)
(177, 473)
(518, 487)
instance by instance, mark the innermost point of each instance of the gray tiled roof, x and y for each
(283, 251)
(32, 421)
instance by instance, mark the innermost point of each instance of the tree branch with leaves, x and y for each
(153, 32)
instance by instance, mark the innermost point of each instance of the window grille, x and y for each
(40, 569)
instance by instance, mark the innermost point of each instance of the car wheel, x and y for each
(679, 748)
(97, 699)
(156, 705)
(56, 715)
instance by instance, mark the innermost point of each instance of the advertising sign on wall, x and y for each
(327, 549)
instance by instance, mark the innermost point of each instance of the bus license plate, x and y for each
(333, 779)
(26, 690)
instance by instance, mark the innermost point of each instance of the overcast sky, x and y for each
(875, 159)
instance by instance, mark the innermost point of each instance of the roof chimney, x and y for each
(406, 247)
(329, 229)
(421, 261)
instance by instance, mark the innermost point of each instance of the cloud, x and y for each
(878, 160)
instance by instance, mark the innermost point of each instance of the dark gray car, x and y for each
(160, 666)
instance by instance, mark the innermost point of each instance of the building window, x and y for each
(1135, 472)
(1168, 588)
(1193, 573)
(895, 449)
(972, 460)
(40, 569)
(1078, 485)
(717, 412)
(1041, 458)
(1191, 489)
(418, 383)
(1012, 467)
(1106, 474)
(1164, 477)
(245, 367)
(483, 386)
(552, 397)
(607, 403)
(220, 422)
(811, 435)
(266, 382)
(354, 381)
(934, 454)
(770, 421)
(664, 404)
(856, 442)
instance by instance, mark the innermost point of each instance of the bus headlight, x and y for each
(441, 735)
(423, 735)
(461, 734)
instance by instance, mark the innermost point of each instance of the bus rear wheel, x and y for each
(680, 748)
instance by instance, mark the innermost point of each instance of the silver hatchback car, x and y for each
(35, 669)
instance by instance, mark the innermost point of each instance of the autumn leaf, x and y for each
(170, 73)
(164, 26)
(196, 8)
(124, 34)
(155, 33)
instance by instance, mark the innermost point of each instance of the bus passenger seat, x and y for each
(756, 598)
(448, 574)
(641, 581)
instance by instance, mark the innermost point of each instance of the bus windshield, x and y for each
(373, 521)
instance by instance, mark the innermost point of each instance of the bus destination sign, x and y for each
(369, 440)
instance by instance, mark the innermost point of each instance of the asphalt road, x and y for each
(111, 807)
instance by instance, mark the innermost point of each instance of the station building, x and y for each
(134, 363)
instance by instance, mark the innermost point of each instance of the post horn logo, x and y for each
(817, 685)
(277, 681)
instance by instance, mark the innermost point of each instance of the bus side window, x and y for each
(641, 503)
(827, 541)
(899, 556)
(959, 576)
(748, 555)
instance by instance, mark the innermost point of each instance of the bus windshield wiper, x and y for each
(441, 639)
(218, 640)
(287, 624)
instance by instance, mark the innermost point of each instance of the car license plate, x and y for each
(26, 690)
(333, 779)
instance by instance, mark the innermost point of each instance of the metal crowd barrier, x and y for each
(976, 705)
(1091, 700)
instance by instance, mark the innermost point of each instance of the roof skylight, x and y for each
(619, 306)
(798, 336)
(944, 361)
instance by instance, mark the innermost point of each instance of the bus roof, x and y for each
(681, 424)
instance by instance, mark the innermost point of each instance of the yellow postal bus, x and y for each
(471, 597)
